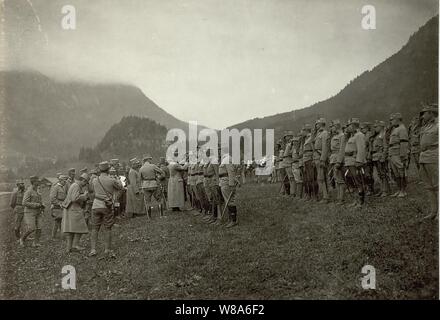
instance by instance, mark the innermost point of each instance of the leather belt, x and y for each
(222, 175)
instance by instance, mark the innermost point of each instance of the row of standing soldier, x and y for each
(346, 157)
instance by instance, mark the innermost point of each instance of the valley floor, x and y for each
(282, 249)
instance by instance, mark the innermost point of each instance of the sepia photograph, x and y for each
(198, 151)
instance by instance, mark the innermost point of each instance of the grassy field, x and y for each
(282, 249)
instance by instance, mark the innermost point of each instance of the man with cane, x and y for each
(228, 182)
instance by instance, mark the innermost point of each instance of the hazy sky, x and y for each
(219, 62)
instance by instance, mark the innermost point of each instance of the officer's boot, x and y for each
(214, 214)
(299, 190)
(208, 218)
(404, 183)
(287, 187)
(361, 199)
(342, 192)
(160, 210)
(338, 193)
(323, 187)
(54, 229)
(149, 212)
(232, 217)
(292, 187)
(37, 238)
(399, 186)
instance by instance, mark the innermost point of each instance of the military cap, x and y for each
(133, 161)
(321, 120)
(34, 179)
(58, 174)
(112, 169)
(396, 115)
(103, 166)
(379, 123)
(363, 125)
(288, 133)
(19, 181)
(93, 171)
(71, 170)
(85, 169)
(354, 120)
(432, 107)
(84, 176)
(147, 157)
(63, 177)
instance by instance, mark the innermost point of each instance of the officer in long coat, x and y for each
(73, 223)
(176, 197)
(135, 202)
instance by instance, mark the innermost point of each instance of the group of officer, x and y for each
(345, 156)
(86, 201)
(79, 203)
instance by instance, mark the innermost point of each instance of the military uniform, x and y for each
(337, 150)
(429, 157)
(213, 186)
(309, 167)
(135, 203)
(354, 160)
(57, 196)
(149, 184)
(287, 162)
(368, 168)
(33, 209)
(320, 158)
(414, 141)
(200, 188)
(16, 203)
(228, 185)
(378, 157)
(296, 169)
(398, 155)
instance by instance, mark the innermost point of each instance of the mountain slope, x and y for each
(47, 118)
(133, 137)
(399, 84)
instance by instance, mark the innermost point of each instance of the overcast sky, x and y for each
(218, 62)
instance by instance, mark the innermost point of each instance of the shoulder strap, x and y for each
(105, 190)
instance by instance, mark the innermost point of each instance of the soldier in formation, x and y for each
(359, 157)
